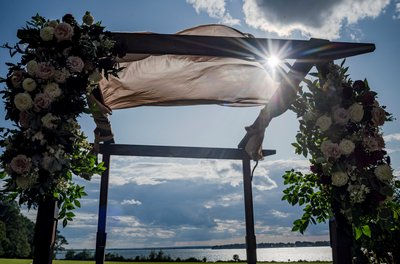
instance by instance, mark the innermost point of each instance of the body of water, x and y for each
(263, 254)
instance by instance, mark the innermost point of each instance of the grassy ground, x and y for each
(28, 261)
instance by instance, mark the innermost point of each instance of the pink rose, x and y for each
(378, 116)
(21, 164)
(41, 101)
(45, 70)
(63, 31)
(330, 150)
(341, 116)
(75, 64)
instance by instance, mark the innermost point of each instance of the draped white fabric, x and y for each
(188, 80)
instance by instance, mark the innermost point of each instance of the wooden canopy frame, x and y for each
(307, 53)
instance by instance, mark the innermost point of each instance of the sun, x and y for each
(273, 61)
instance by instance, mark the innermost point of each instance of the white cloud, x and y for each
(279, 214)
(153, 171)
(215, 9)
(131, 202)
(224, 201)
(323, 19)
(397, 11)
(227, 225)
(392, 137)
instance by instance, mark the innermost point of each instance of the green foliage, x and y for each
(16, 232)
(304, 191)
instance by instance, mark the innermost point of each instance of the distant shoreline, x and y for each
(232, 246)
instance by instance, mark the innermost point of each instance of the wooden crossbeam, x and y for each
(177, 152)
(244, 48)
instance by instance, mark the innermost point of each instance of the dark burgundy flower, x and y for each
(359, 86)
(376, 196)
(347, 92)
(68, 18)
(362, 158)
(368, 98)
(325, 179)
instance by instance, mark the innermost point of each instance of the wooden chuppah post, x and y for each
(101, 236)
(45, 232)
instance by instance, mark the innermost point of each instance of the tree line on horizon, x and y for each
(277, 245)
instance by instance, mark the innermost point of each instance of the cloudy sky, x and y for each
(169, 202)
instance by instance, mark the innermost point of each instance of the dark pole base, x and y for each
(45, 231)
(341, 243)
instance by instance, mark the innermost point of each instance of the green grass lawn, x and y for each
(29, 261)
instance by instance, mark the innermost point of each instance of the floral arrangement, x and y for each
(61, 64)
(350, 175)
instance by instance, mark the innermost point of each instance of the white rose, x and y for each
(21, 164)
(32, 67)
(23, 101)
(356, 112)
(346, 146)
(29, 84)
(384, 172)
(48, 121)
(324, 122)
(339, 178)
(52, 23)
(52, 90)
(47, 33)
(341, 116)
(95, 77)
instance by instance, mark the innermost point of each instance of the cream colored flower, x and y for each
(23, 101)
(47, 33)
(324, 122)
(346, 146)
(384, 172)
(49, 120)
(356, 112)
(52, 23)
(52, 90)
(339, 178)
(29, 84)
(88, 19)
(32, 67)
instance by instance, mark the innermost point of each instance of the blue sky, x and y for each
(169, 202)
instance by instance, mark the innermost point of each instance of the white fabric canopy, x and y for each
(188, 80)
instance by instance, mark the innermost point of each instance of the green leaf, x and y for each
(358, 232)
(366, 230)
